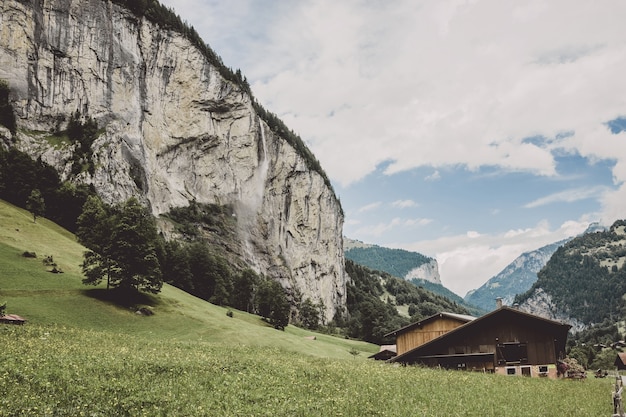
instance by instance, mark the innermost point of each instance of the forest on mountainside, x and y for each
(373, 297)
(397, 262)
(586, 277)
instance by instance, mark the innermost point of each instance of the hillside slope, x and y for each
(49, 299)
(585, 280)
(415, 268)
(397, 262)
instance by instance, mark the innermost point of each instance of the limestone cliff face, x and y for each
(428, 271)
(172, 130)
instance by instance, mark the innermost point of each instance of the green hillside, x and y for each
(586, 277)
(79, 354)
(46, 298)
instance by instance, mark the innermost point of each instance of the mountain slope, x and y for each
(48, 299)
(515, 279)
(397, 262)
(418, 270)
(584, 281)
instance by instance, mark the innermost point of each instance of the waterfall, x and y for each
(261, 171)
(251, 199)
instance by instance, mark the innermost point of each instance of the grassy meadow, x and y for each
(80, 354)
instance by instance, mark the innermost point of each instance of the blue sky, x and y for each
(469, 131)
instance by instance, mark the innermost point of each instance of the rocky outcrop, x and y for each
(540, 303)
(172, 129)
(428, 271)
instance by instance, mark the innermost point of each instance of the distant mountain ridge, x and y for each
(515, 279)
(584, 281)
(420, 270)
(397, 262)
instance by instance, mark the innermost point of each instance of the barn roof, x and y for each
(502, 314)
(385, 352)
(463, 318)
(620, 361)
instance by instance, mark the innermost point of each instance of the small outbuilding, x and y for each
(620, 361)
(12, 319)
(385, 353)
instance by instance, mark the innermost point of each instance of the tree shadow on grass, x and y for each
(122, 298)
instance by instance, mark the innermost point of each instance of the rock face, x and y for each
(172, 129)
(428, 272)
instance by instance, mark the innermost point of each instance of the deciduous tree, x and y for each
(272, 303)
(122, 242)
(35, 204)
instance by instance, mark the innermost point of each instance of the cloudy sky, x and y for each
(469, 131)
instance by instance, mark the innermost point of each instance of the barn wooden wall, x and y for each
(425, 333)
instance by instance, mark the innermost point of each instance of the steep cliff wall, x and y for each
(171, 130)
(428, 271)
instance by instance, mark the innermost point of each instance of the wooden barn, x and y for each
(416, 334)
(505, 341)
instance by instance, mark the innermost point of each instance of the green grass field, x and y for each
(79, 354)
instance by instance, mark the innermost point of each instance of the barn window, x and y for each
(543, 369)
(514, 352)
(510, 370)
(525, 370)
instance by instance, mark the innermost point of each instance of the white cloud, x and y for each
(379, 229)
(404, 204)
(438, 83)
(568, 196)
(369, 207)
(433, 177)
(613, 206)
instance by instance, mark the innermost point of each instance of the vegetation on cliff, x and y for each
(20, 176)
(7, 116)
